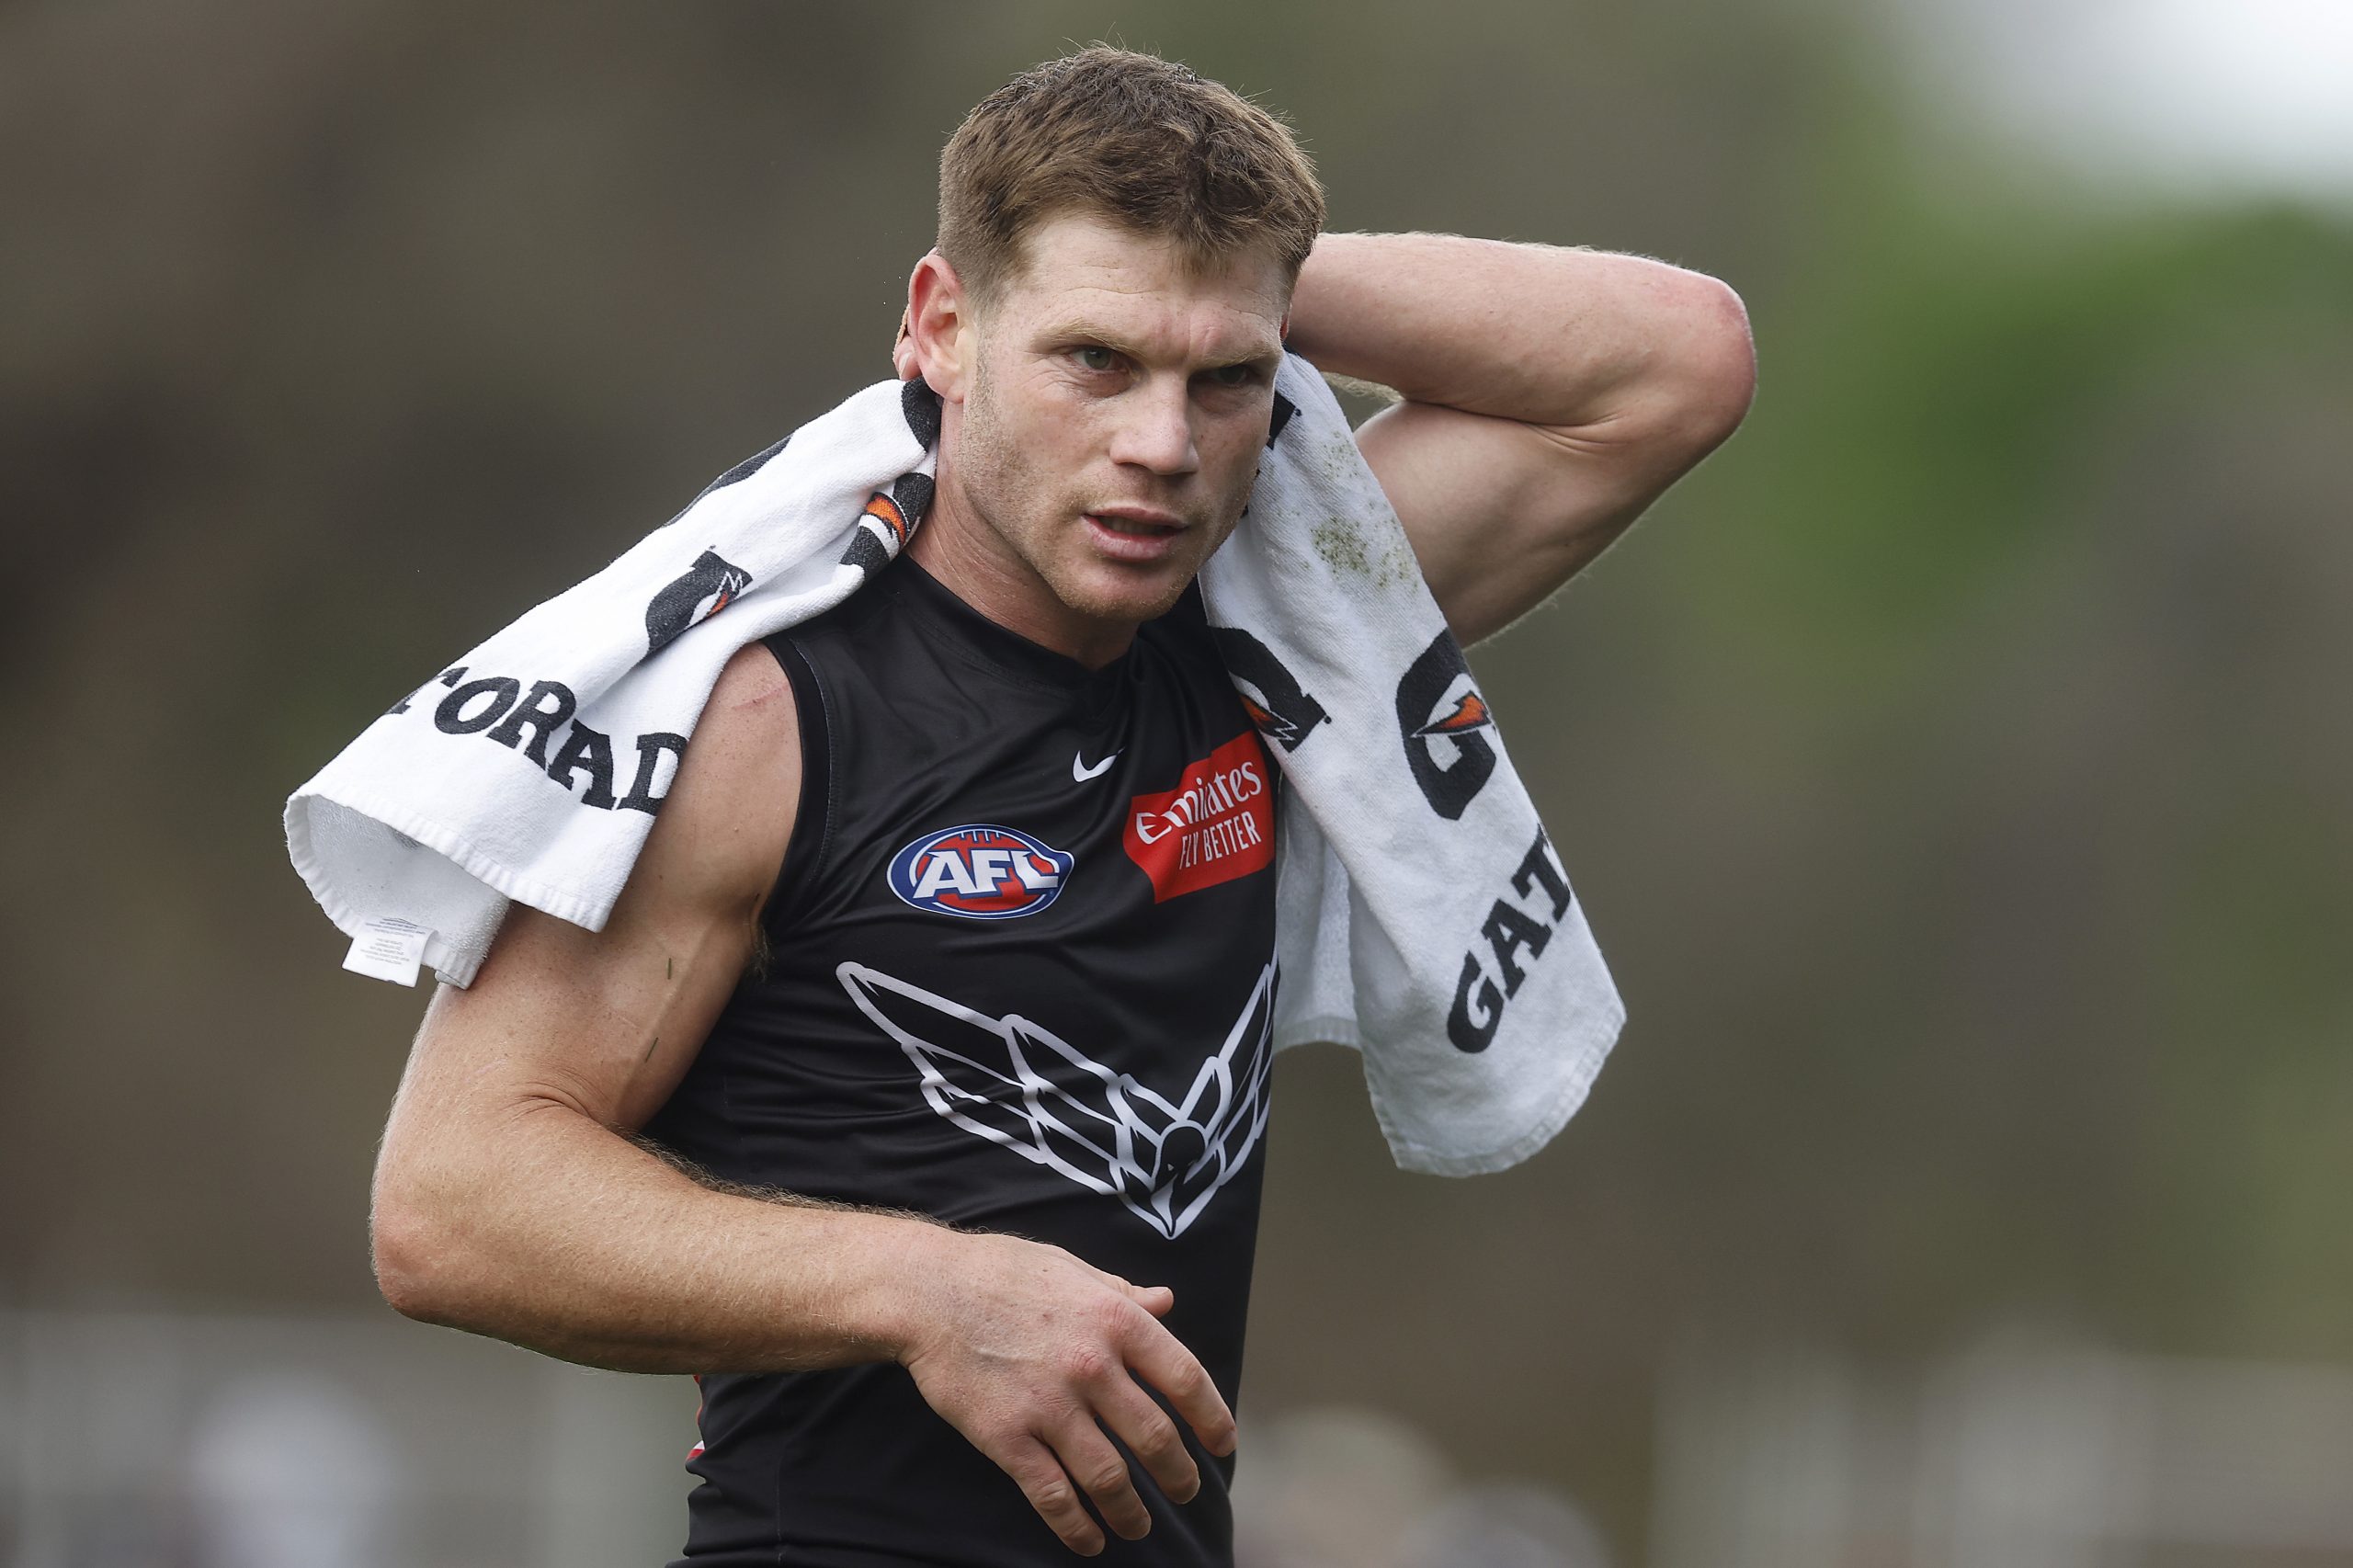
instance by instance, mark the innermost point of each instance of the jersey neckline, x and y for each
(1005, 649)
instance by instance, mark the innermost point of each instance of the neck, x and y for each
(970, 558)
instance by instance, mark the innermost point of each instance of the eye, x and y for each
(1095, 357)
(1233, 375)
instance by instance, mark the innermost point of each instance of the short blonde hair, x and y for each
(1139, 140)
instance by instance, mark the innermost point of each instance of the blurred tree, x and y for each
(1953, 766)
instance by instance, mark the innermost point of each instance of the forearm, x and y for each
(1569, 339)
(556, 1233)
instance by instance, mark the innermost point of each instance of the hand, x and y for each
(1023, 1348)
(906, 363)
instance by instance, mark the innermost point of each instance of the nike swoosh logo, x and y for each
(1080, 773)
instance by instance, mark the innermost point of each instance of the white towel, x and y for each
(1423, 917)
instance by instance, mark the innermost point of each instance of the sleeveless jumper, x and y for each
(1020, 979)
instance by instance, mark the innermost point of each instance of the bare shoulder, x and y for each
(753, 679)
(728, 819)
(606, 1022)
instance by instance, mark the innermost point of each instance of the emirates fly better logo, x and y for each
(1217, 824)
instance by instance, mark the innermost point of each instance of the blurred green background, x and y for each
(1955, 768)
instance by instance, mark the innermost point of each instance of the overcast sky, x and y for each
(2218, 96)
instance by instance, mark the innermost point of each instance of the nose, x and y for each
(1156, 428)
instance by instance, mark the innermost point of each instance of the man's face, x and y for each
(1112, 421)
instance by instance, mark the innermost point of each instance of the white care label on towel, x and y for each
(388, 949)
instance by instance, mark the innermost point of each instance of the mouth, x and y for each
(1134, 536)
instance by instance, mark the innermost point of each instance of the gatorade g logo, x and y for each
(1269, 694)
(886, 521)
(980, 872)
(1283, 411)
(920, 405)
(699, 593)
(1441, 715)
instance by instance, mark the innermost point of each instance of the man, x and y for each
(752, 1128)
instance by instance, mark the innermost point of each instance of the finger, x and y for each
(1043, 1481)
(1160, 1360)
(1150, 1435)
(1154, 1299)
(1097, 1468)
(904, 359)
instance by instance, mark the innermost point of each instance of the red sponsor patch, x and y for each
(1217, 824)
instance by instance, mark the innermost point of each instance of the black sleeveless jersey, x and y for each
(1021, 979)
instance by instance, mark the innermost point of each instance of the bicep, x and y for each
(1502, 513)
(605, 1023)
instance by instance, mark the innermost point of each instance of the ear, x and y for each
(938, 335)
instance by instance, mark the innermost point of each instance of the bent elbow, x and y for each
(412, 1255)
(1698, 383)
(1720, 371)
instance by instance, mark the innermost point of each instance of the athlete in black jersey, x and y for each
(1022, 978)
(914, 1094)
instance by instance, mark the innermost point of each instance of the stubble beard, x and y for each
(1031, 519)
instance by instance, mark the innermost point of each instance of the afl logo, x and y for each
(980, 872)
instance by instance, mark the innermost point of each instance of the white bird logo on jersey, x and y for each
(1106, 1131)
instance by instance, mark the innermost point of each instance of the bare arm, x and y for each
(1550, 396)
(510, 1199)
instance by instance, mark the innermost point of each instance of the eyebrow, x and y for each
(1080, 331)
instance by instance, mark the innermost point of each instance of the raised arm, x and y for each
(511, 1200)
(1550, 395)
